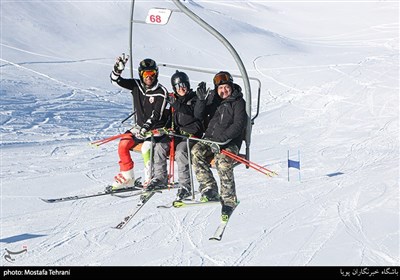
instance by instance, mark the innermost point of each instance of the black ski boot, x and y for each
(183, 192)
(209, 195)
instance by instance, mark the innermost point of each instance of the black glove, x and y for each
(141, 134)
(120, 62)
(143, 130)
(201, 91)
(134, 130)
(171, 99)
(215, 148)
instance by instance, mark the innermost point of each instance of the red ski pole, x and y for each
(249, 163)
(171, 174)
(171, 161)
(104, 141)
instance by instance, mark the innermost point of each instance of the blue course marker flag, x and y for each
(294, 164)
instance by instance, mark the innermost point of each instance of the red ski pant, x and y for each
(125, 160)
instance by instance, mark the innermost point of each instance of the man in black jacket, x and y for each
(185, 124)
(152, 116)
(224, 114)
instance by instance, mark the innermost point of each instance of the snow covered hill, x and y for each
(330, 89)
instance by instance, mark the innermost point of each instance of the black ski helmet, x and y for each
(179, 77)
(147, 64)
(222, 78)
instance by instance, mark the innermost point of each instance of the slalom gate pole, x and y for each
(288, 175)
(112, 138)
(249, 163)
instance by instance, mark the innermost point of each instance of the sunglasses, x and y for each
(222, 78)
(180, 85)
(148, 73)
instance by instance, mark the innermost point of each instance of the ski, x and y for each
(136, 187)
(187, 203)
(222, 226)
(82, 196)
(143, 200)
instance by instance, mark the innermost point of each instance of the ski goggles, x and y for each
(180, 85)
(148, 73)
(222, 78)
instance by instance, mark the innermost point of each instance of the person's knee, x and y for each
(181, 154)
(161, 148)
(146, 147)
(125, 144)
(225, 167)
(195, 149)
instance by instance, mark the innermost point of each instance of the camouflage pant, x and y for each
(201, 156)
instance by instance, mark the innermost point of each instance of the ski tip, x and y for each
(178, 204)
(164, 206)
(215, 238)
(47, 200)
(225, 219)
